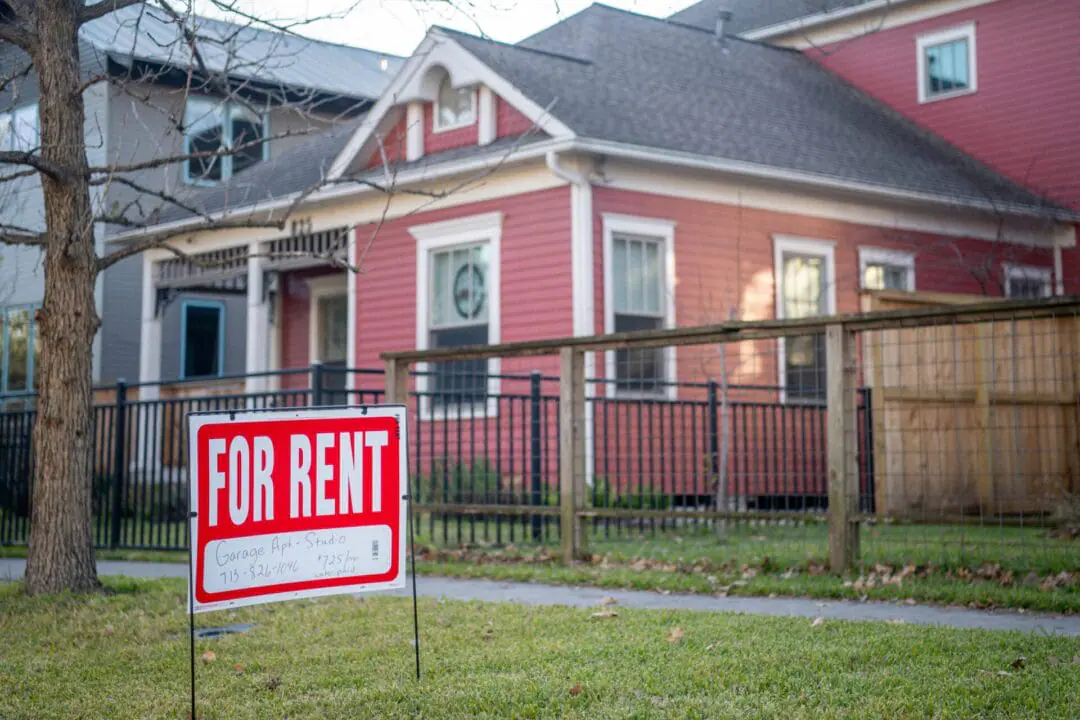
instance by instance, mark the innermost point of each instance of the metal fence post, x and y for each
(119, 463)
(572, 452)
(316, 384)
(714, 439)
(843, 475)
(535, 450)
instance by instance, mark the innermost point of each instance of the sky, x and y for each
(397, 26)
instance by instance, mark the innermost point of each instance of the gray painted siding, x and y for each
(140, 131)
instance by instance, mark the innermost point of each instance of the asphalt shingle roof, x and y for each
(754, 14)
(616, 76)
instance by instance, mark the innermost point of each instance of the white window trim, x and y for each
(1028, 272)
(319, 288)
(437, 128)
(803, 246)
(664, 230)
(881, 256)
(922, 42)
(440, 236)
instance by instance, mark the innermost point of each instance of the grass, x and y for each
(125, 655)
(972, 566)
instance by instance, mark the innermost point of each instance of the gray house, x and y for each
(153, 100)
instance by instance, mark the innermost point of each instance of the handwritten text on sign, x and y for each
(298, 503)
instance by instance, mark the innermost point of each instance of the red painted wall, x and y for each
(508, 120)
(1023, 118)
(393, 145)
(724, 258)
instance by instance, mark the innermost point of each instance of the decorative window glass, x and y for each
(202, 343)
(947, 63)
(804, 271)
(19, 129)
(887, 269)
(1027, 283)
(458, 316)
(456, 107)
(19, 350)
(215, 126)
(638, 303)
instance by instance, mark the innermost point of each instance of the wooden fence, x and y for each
(972, 418)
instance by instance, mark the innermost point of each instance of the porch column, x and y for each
(258, 322)
(149, 372)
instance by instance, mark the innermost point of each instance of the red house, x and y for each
(618, 172)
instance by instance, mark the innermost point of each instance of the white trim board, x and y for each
(663, 230)
(335, 285)
(486, 227)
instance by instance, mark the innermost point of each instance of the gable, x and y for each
(502, 110)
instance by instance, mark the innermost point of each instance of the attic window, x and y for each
(946, 63)
(455, 107)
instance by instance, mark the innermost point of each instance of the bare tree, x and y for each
(46, 36)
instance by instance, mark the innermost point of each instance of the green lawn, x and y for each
(124, 655)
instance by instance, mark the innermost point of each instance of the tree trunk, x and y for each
(61, 543)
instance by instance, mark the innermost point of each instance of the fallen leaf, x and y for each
(772, 595)
(576, 690)
(639, 564)
(709, 647)
(896, 621)
(817, 621)
(209, 656)
(910, 601)
(788, 575)
(1018, 663)
(239, 669)
(603, 614)
(608, 601)
(273, 683)
(1004, 673)
(107, 631)
(676, 635)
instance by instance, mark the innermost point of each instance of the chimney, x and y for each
(723, 17)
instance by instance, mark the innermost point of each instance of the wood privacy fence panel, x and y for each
(976, 419)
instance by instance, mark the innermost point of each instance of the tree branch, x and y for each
(22, 157)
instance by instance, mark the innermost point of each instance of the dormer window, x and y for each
(946, 63)
(455, 107)
(213, 126)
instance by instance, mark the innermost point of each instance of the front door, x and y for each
(332, 348)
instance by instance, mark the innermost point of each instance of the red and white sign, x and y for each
(296, 503)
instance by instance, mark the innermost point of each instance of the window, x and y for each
(638, 277)
(946, 63)
(1027, 283)
(458, 305)
(456, 107)
(202, 339)
(804, 288)
(886, 269)
(19, 129)
(19, 350)
(212, 126)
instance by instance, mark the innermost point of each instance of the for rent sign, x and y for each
(296, 503)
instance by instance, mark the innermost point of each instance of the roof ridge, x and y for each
(513, 46)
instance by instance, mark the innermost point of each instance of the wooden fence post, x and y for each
(843, 442)
(571, 451)
(396, 382)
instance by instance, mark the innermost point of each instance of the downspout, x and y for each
(581, 276)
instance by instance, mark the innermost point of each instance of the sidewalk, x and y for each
(534, 594)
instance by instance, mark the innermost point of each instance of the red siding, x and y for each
(724, 259)
(393, 144)
(508, 120)
(1023, 118)
(437, 142)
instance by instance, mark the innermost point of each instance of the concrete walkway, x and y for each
(535, 594)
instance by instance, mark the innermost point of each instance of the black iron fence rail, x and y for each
(470, 462)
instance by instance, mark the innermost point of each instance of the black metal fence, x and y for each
(486, 470)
